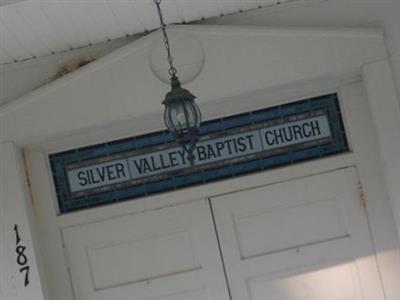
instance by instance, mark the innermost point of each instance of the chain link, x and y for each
(172, 70)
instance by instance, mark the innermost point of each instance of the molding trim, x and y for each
(385, 110)
(14, 204)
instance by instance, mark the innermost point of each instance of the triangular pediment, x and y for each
(120, 87)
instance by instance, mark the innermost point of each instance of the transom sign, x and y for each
(228, 147)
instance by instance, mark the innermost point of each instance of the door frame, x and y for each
(366, 121)
(359, 129)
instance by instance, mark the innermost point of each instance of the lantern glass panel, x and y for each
(182, 116)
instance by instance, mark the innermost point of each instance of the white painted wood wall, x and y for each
(118, 97)
(16, 209)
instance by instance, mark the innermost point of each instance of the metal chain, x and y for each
(172, 70)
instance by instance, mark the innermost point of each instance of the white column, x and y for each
(385, 110)
(19, 273)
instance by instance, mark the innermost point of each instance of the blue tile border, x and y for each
(69, 202)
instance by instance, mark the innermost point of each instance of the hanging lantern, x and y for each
(182, 116)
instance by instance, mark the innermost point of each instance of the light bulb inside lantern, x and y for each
(187, 53)
(181, 119)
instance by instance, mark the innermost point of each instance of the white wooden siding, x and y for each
(35, 28)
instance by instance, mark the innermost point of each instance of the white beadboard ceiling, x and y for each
(34, 28)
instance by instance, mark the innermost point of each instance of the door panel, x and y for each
(305, 239)
(309, 283)
(167, 254)
(296, 227)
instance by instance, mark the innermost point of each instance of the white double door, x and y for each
(304, 239)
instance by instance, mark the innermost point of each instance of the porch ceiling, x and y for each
(34, 28)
